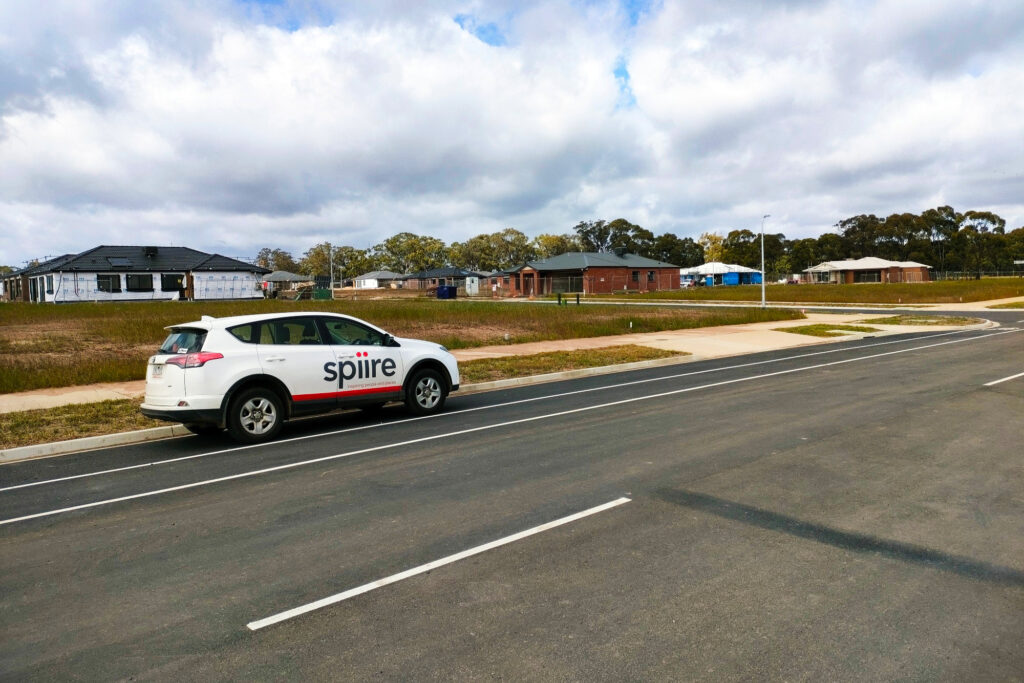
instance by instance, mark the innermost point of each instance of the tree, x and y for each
(409, 253)
(593, 235)
(684, 252)
(711, 244)
(860, 235)
(625, 235)
(831, 247)
(494, 251)
(276, 259)
(545, 246)
(511, 248)
(803, 254)
(742, 247)
(942, 224)
(6, 269)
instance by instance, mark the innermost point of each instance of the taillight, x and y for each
(193, 360)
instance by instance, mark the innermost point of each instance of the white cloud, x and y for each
(231, 126)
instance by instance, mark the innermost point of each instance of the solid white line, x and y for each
(394, 578)
(348, 430)
(1005, 379)
(435, 437)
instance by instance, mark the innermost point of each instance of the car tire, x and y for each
(255, 415)
(202, 429)
(426, 393)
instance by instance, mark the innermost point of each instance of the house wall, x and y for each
(529, 282)
(205, 286)
(608, 280)
(369, 283)
(82, 286)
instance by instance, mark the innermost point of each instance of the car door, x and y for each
(367, 370)
(293, 350)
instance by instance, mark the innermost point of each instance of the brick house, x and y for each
(586, 273)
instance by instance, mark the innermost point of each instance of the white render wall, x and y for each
(227, 286)
(68, 287)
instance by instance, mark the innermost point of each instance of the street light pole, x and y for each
(767, 215)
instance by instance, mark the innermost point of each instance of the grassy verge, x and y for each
(948, 291)
(921, 320)
(31, 427)
(44, 346)
(826, 330)
(490, 369)
(1015, 304)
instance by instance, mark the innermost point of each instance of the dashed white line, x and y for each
(1004, 379)
(493, 406)
(471, 430)
(394, 578)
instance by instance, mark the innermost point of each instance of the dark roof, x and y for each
(441, 272)
(581, 260)
(145, 259)
(44, 267)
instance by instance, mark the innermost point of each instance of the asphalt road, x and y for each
(846, 512)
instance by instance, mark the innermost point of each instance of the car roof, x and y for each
(208, 322)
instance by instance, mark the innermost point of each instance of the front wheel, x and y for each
(426, 393)
(255, 415)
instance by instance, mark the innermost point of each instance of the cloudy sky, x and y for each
(230, 125)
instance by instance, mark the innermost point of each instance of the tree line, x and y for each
(970, 242)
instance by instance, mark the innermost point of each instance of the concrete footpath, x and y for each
(699, 344)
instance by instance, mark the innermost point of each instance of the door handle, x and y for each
(275, 359)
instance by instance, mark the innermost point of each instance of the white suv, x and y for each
(251, 373)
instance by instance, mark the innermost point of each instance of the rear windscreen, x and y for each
(184, 340)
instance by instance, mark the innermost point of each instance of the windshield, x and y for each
(184, 340)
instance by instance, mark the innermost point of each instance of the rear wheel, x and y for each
(426, 393)
(202, 429)
(255, 415)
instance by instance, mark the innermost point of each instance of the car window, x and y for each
(184, 340)
(290, 331)
(347, 332)
(245, 333)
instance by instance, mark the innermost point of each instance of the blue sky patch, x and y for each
(489, 33)
(626, 97)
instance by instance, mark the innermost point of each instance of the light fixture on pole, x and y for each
(767, 215)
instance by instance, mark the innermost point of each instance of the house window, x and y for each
(49, 284)
(108, 283)
(650, 276)
(171, 282)
(636, 276)
(139, 282)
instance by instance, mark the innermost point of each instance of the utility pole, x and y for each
(767, 215)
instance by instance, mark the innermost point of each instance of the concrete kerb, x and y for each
(12, 455)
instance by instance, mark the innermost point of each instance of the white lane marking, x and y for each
(1005, 379)
(408, 573)
(348, 430)
(471, 430)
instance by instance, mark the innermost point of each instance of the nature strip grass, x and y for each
(491, 369)
(1014, 304)
(946, 291)
(911, 319)
(826, 330)
(43, 346)
(30, 427)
